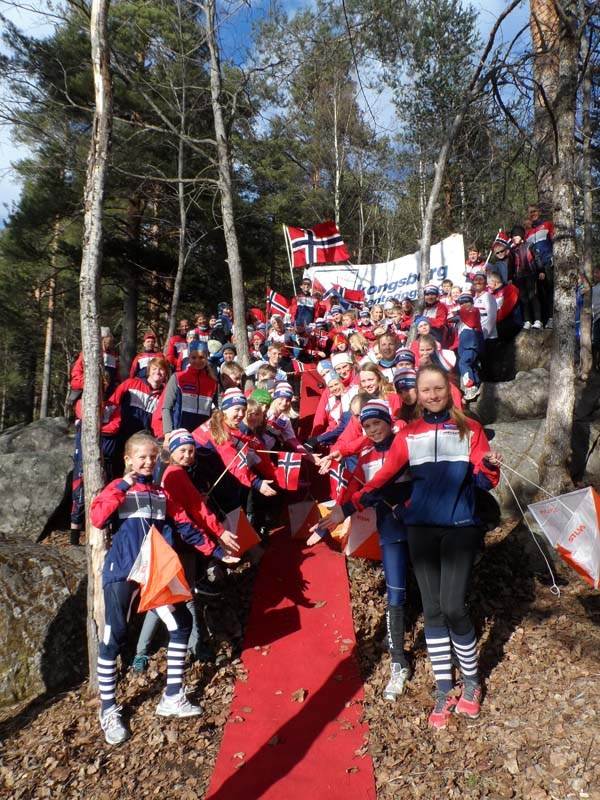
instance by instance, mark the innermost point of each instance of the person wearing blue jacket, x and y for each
(448, 456)
(131, 505)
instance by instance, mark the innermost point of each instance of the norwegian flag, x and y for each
(355, 297)
(338, 479)
(242, 459)
(321, 244)
(276, 303)
(316, 284)
(288, 470)
(348, 297)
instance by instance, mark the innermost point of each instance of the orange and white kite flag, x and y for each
(159, 572)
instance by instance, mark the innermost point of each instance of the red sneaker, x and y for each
(470, 700)
(442, 710)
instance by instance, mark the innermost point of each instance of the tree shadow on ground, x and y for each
(503, 593)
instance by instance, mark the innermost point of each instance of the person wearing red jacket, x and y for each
(508, 318)
(305, 307)
(110, 422)
(448, 456)
(470, 345)
(177, 343)
(233, 468)
(138, 399)
(139, 365)
(435, 312)
(110, 361)
(375, 387)
(207, 537)
(188, 397)
(540, 237)
(376, 421)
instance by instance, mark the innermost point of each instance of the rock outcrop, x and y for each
(521, 446)
(42, 619)
(525, 397)
(528, 350)
(35, 461)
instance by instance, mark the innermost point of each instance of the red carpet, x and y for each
(299, 644)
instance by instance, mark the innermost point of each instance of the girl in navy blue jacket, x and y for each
(448, 456)
(131, 505)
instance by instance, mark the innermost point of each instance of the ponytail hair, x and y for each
(456, 415)
(218, 428)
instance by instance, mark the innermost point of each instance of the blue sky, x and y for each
(34, 17)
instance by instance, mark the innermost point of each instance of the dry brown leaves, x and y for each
(538, 737)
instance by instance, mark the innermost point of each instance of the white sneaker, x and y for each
(550, 324)
(526, 326)
(472, 392)
(114, 730)
(177, 705)
(537, 325)
(397, 683)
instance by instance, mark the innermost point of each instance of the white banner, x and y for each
(398, 277)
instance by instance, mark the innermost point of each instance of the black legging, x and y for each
(528, 297)
(442, 559)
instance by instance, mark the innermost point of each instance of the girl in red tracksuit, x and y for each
(448, 456)
(131, 505)
(228, 456)
(211, 539)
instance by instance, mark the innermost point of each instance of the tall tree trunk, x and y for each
(181, 254)
(5, 366)
(49, 340)
(128, 347)
(475, 86)
(559, 417)
(89, 286)
(543, 22)
(585, 327)
(225, 189)
(338, 159)
(153, 302)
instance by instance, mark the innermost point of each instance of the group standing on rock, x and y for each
(198, 435)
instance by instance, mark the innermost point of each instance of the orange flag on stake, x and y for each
(159, 572)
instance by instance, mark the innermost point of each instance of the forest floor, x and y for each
(538, 737)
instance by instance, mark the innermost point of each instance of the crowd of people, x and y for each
(197, 435)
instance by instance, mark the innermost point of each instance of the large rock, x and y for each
(521, 444)
(42, 620)
(526, 397)
(35, 461)
(529, 350)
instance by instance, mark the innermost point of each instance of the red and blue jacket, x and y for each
(137, 401)
(540, 237)
(139, 365)
(110, 361)
(174, 347)
(130, 511)
(444, 469)
(188, 399)
(188, 503)
(390, 526)
(304, 309)
(436, 315)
